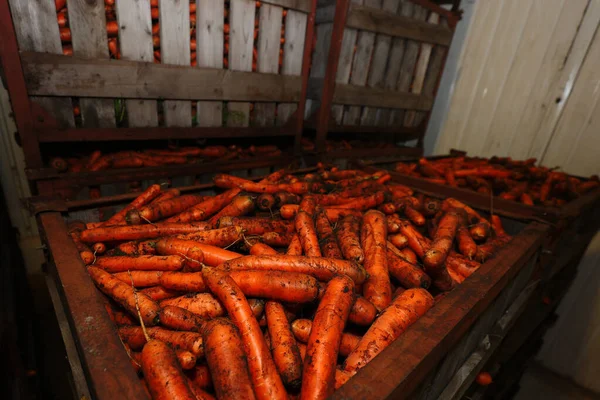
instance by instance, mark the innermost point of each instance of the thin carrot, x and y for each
(377, 287)
(163, 374)
(302, 327)
(365, 203)
(147, 196)
(416, 241)
(305, 227)
(166, 195)
(226, 361)
(348, 239)
(140, 278)
(163, 209)
(138, 232)
(466, 244)
(120, 318)
(221, 237)
(261, 249)
(134, 336)
(257, 225)
(211, 255)
(180, 319)
(205, 209)
(265, 378)
(295, 247)
(229, 181)
(325, 337)
(405, 310)
(240, 205)
(125, 295)
(193, 256)
(140, 263)
(341, 377)
(409, 275)
(327, 239)
(203, 304)
(284, 347)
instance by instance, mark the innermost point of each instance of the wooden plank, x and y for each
(269, 34)
(88, 37)
(209, 53)
(135, 42)
(37, 30)
(360, 67)
(175, 49)
(295, 30)
(241, 14)
(432, 77)
(420, 71)
(49, 74)
(345, 64)
(379, 63)
(300, 5)
(361, 95)
(378, 21)
(318, 64)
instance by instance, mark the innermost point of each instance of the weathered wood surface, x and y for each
(300, 5)
(366, 96)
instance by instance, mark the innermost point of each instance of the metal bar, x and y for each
(14, 80)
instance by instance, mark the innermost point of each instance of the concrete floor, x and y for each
(541, 383)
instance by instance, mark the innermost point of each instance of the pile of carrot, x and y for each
(506, 178)
(97, 161)
(278, 288)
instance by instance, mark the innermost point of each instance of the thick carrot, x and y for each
(347, 234)
(284, 347)
(398, 240)
(180, 319)
(140, 263)
(405, 310)
(211, 255)
(365, 203)
(203, 304)
(226, 361)
(327, 239)
(409, 275)
(408, 255)
(282, 198)
(120, 318)
(377, 287)
(229, 181)
(302, 327)
(126, 296)
(261, 249)
(295, 247)
(147, 196)
(265, 202)
(163, 374)
(192, 255)
(189, 341)
(363, 312)
(158, 293)
(140, 278)
(162, 209)
(183, 281)
(289, 211)
(240, 205)
(205, 209)
(186, 359)
(265, 378)
(318, 375)
(221, 237)
(414, 216)
(442, 241)
(416, 241)
(292, 287)
(305, 227)
(466, 244)
(138, 232)
(257, 225)
(321, 268)
(200, 374)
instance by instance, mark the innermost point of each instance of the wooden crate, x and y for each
(377, 66)
(442, 339)
(155, 71)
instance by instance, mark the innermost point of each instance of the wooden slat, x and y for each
(432, 77)
(37, 30)
(135, 41)
(88, 37)
(49, 74)
(318, 64)
(378, 21)
(379, 63)
(175, 49)
(366, 96)
(360, 67)
(241, 20)
(209, 52)
(300, 5)
(295, 30)
(269, 34)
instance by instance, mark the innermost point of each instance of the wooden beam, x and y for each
(58, 75)
(374, 97)
(387, 23)
(300, 5)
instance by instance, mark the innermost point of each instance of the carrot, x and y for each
(203, 304)
(265, 202)
(341, 377)
(162, 209)
(99, 248)
(480, 228)
(222, 237)
(347, 235)
(147, 196)
(274, 176)
(305, 227)
(257, 225)
(186, 359)
(302, 327)
(461, 265)
(408, 255)
(229, 181)
(450, 178)
(327, 239)
(183, 281)
(125, 295)
(393, 223)
(399, 290)
(140, 263)
(289, 211)
(138, 232)
(189, 250)
(240, 205)
(321, 268)
(295, 247)
(365, 203)
(261, 249)
(198, 392)
(265, 378)
(158, 293)
(442, 241)
(226, 361)
(363, 312)
(497, 226)
(282, 198)
(289, 287)
(409, 275)
(405, 310)
(377, 287)
(416, 241)
(86, 254)
(398, 240)
(163, 374)
(205, 209)
(180, 319)
(213, 255)
(166, 195)
(431, 206)
(189, 341)
(284, 348)
(414, 216)
(466, 244)
(487, 250)
(120, 318)
(140, 278)
(200, 374)
(526, 199)
(325, 337)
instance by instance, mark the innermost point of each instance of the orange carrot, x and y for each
(405, 310)
(222, 237)
(189, 341)
(497, 225)
(203, 304)
(276, 239)
(289, 211)
(200, 375)
(147, 196)
(86, 254)
(265, 378)
(295, 247)
(240, 205)
(526, 199)
(365, 203)
(205, 209)
(265, 202)
(261, 249)
(284, 348)
(408, 255)
(120, 318)
(414, 216)
(416, 241)
(140, 278)
(163, 209)
(183, 281)
(305, 227)
(327, 239)
(163, 374)
(377, 287)
(341, 377)
(302, 327)
(347, 235)
(325, 337)
(393, 223)
(289, 287)
(321, 268)
(137, 232)
(125, 295)
(226, 361)
(229, 181)
(212, 255)
(166, 195)
(140, 263)
(257, 225)
(187, 249)
(442, 241)
(466, 244)
(480, 228)
(282, 198)
(186, 359)
(180, 319)
(158, 293)
(409, 275)
(398, 240)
